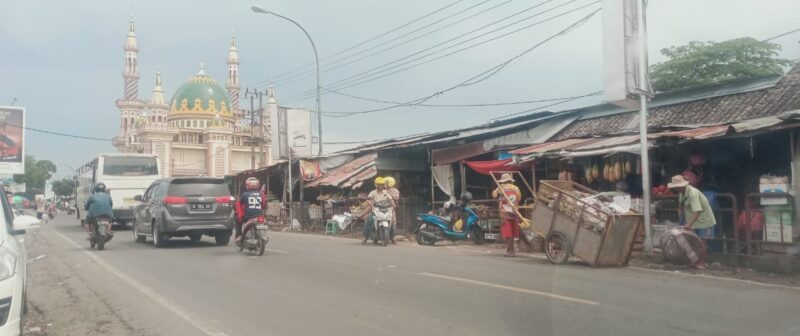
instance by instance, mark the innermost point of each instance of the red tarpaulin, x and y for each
(484, 167)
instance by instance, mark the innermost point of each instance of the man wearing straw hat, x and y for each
(695, 208)
(509, 196)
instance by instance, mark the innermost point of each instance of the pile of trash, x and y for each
(682, 247)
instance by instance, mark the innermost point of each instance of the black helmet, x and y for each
(100, 187)
(466, 196)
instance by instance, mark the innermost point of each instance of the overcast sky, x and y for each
(63, 60)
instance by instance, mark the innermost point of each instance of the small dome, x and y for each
(200, 96)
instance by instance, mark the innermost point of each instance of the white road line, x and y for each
(751, 282)
(277, 251)
(515, 289)
(164, 302)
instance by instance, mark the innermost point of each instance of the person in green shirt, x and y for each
(695, 208)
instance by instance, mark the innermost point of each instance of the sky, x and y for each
(63, 60)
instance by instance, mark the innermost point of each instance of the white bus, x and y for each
(125, 176)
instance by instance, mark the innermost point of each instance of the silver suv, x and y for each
(184, 207)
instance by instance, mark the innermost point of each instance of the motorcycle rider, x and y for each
(99, 204)
(251, 204)
(377, 196)
(395, 193)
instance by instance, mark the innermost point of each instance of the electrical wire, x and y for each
(566, 100)
(447, 105)
(479, 77)
(59, 133)
(311, 72)
(377, 68)
(361, 78)
(781, 35)
(311, 64)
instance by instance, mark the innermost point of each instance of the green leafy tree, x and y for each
(64, 187)
(706, 63)
(37, 172)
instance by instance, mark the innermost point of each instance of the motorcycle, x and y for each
(100, 232)
(51, 214)
(382, 225)
(432, 228)
(256, 239)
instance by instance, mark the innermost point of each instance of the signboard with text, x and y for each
(12, 140)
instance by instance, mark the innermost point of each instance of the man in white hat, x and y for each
(695, 208)
(509, 197)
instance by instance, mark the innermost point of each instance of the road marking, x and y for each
(277, 251)
(164, 302)
(751, 282)
(510, 288)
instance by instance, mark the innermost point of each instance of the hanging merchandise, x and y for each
(628, 168)
(617, 172)
(595, 171)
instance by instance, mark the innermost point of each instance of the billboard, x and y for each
(290, 128)
(623, 52)
(12, 138)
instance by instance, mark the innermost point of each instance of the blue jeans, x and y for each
(368, 226)
(709, 233)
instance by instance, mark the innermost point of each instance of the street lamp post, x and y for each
(316, 59)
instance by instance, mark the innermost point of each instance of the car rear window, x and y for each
(198, 187)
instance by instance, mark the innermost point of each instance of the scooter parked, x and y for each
(432, 228)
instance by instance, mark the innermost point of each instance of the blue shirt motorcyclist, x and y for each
(99, 204)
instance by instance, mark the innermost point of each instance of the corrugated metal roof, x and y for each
(337, 176)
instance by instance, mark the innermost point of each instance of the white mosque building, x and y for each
(201, 130)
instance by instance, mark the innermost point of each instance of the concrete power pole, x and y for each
(256, 122)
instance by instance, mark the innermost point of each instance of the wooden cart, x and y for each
(573, 227)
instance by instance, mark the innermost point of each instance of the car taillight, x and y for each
(225, 201)
(175, 200)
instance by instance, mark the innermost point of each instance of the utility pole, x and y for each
(256, 139)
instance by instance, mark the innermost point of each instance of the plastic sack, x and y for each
(458, 225)
(343, 221)
(682, 247)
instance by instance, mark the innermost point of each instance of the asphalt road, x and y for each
(314, 285)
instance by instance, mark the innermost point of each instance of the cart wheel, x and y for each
(557, 247)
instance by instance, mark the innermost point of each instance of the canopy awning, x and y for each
(610, 145)
(486, 167)
(344, 173)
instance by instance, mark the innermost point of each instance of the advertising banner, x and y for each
(12, 138)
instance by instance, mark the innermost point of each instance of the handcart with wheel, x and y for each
(575, 226)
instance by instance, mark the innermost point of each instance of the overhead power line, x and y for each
(523, 102)
(479, 77)
(307, 74)
(59, 133)
(311, 65)
(782, 35)
(564, 101)
(379, 73)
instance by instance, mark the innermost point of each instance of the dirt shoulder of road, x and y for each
(56, 288)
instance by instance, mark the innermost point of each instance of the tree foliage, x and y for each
(64, 187)
(707, 63)
(37, 172)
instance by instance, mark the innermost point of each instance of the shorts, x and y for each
(509, 228)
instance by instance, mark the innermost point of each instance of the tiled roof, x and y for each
(763, 102)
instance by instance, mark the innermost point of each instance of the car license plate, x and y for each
(200, 206)
(492, 236)
(130, 201)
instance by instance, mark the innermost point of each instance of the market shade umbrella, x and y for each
(19, 199)
(486, 167)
